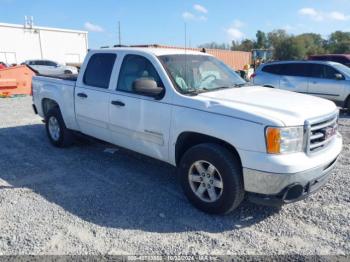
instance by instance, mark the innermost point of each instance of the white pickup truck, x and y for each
(227, 139)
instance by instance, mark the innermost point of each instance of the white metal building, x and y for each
(24, 42)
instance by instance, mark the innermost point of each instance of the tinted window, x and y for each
(99, 69)
(323, 71)
(272, 69)
(136, 67)
(50, 63)
(295, 69)
(41, 63)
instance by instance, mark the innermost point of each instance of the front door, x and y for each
(138, 122)
(324, 83)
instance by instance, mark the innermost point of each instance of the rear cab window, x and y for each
(99, 70)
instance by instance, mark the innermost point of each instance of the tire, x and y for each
(59, 135)
(68, 72)
(227, 169)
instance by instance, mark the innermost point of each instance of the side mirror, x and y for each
(147, 87)
(339, 77)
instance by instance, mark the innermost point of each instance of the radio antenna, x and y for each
(119, 34)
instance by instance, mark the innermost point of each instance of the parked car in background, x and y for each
(3, 65)
(227, 139)
(47, 67)
(328, 80)
(339, 58)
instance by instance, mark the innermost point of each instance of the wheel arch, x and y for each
(47, 104)
(347, 102)
(186, 140)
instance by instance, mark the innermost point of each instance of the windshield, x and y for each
(342, 68)
(200, 73)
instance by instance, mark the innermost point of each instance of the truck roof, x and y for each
(156, 51)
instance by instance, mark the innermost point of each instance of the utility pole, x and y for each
(185, 36)
(119, 34)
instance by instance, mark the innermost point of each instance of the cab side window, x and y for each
(136, 67)
(99, 70)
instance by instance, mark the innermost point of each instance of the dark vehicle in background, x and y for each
(339, 58)
(325, 79)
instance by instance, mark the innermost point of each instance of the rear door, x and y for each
(323, 82)
(294, 77)
(268, 76)
(92, 96)
(40, 66)
(138, 122)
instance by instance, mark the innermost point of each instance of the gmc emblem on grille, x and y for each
(329, 132)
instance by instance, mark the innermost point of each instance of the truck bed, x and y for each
(71, 77)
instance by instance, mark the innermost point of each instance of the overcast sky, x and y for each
(162, 21)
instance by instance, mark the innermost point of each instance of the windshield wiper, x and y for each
(205, 89)
(240, 85)
(219, 88)
(194, 91)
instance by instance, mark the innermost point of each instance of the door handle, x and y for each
(82, 95)
(117, 103)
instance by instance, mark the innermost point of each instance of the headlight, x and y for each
(281, 140)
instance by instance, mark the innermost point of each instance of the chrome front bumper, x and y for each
(274, 183)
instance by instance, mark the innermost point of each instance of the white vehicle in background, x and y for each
(47, 67)
(325, 79)
(228, 140)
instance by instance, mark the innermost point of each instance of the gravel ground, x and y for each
(89, 200)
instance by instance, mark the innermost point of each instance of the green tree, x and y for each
(312, 44)
(214, 45)
(339, 42)
(289, 48)
(261, 40)
(246, 45)
(275, 37)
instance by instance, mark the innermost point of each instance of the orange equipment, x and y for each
(16, 80)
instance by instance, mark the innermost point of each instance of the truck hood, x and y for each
(267, 105)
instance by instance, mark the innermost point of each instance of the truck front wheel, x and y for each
(57, 131)
(211, 178)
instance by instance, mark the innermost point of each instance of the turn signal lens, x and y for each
(283, 140)
(273, 140)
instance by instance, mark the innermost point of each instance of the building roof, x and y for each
(34, 27)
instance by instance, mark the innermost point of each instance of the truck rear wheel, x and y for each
(59, 135)
(211, 178)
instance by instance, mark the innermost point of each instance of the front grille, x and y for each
(320, 132)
